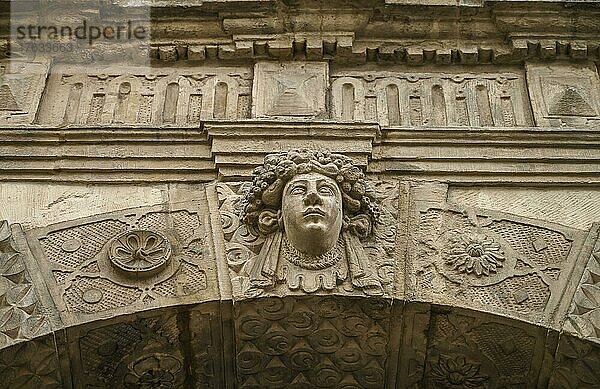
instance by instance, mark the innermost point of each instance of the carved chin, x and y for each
(314, 225)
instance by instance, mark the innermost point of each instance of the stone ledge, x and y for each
(560, 156)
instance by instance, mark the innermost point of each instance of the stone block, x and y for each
(565, 94)
(492, 262)
(21, 87)
(358, 260)
(127, 261)
(290, 89)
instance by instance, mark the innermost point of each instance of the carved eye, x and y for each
(326, 190)
(298, 190)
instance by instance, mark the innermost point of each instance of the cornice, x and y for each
(231, 149)
(412, 31)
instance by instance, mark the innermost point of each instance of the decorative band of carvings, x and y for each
(420, 292)
(241, 240)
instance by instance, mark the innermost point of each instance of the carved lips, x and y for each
(313, 211)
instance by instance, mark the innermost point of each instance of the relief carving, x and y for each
(584, 313)
(472, 351)
(145, 352)
(492, 261)
(183, 96)
(576, 364)
(430, 99)
(144, 257)
(565, 94)
(308, 220)
(32, 364)
(290, 89)
(24, 316)
(154, 371)
(312, 342)
(21, 87)
(140, 252)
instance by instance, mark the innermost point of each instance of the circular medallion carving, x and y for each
(140, 252)
(71, 245)
(154, 371)
(92, 296)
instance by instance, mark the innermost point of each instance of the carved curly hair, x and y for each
(261, 205)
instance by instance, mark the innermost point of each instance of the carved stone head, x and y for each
(312, 196)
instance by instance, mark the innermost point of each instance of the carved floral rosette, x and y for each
(490, 260)
(473, 256)
(243, 247)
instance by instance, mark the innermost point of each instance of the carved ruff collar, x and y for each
(312, 262)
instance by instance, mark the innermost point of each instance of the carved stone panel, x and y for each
(431, 99)
(290, 89)
(309, 222)
(565, 95)
(576, 364)
(26, 310)
(32, 364)
(312, 342)
(584, 314)
(127, 261)
(471, 350)
(21, 87)
(492, 262)
(136, 352)
(182, 96)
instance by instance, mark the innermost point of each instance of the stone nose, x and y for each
(312, 198)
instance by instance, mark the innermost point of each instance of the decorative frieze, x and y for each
(118, 96)
(352, 308)
(431, 99)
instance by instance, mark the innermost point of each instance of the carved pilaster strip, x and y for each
(29, 312)
(217, 240)
(583, 318)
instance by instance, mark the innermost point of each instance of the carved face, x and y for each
(312, 212)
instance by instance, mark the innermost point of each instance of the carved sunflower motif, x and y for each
(140, 252)
(472, 252)
(457, 374)
(153, 372)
